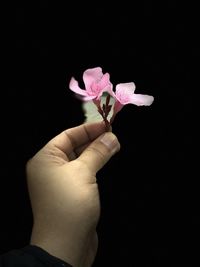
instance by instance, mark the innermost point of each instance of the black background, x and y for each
(149, 191)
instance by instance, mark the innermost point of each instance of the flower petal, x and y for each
(124, 92)
(73, 85)
(142, 100)
(92, 75)
(105, 80)
(128, 88)
(89, 97)
(110, 91)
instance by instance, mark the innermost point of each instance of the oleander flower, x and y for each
(96, 83)
(125, 94)
(99, 99)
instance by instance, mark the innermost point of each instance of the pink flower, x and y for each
(125, 95)
(95, 84)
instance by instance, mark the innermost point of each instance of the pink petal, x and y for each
(73, 85)
(110, 90)
(87, 98)
(125, 95)
(92, 75)
(142, 100)
(127, 88)
(105, 85)
(105, 81)
(124, 92)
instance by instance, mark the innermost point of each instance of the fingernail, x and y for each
(110, 140)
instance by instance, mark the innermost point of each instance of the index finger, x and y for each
(73, 138)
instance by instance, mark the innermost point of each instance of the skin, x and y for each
(64, 192)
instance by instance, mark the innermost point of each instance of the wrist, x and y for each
(66, 246)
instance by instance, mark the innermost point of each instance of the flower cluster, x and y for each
(97, 83)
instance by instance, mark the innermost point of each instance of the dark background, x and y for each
(149, 191)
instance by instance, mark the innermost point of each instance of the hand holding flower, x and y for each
(97, 84)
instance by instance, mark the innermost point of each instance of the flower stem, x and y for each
(107, 124)
(104, 112)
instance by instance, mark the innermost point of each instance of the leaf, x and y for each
(90, 110)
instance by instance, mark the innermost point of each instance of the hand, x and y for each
(64, 193)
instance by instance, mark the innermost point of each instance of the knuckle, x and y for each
(101, 154)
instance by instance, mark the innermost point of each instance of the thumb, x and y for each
(100, 151)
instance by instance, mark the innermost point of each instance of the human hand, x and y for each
(64, 194)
